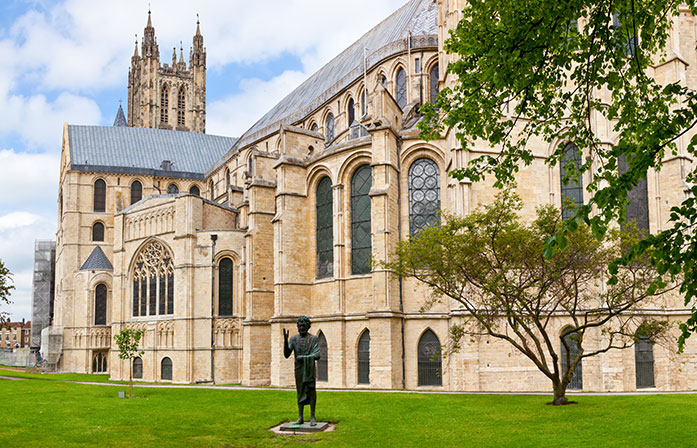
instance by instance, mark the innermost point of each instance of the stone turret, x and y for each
(163, 96)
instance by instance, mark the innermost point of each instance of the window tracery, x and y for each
(153, 281)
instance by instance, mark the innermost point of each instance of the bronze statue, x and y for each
(306, 351)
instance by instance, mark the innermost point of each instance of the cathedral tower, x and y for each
(163, 96)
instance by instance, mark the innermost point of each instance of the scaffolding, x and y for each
(43, 289)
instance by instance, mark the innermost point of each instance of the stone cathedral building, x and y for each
(212, 245)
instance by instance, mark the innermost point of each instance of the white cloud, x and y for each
(28, 179)
(234, 114)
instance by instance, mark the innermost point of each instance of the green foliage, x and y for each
(542, 70)
(5, 289)
(492, 265)
(128, 340)
(77, 415)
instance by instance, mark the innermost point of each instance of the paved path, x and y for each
(393, 391)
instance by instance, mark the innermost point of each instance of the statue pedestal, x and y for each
(305, 427)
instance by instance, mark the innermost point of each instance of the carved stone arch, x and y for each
(351, 164)
(142, 247)
(314, 175)
(227, 253)
(409, 155)
(100, 277)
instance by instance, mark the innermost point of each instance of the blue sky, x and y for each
(67, 61)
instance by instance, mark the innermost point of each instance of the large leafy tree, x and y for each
(492, 266)
(6, 288)
(545, 70)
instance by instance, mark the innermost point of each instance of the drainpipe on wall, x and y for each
(213, 239)
(399, 238)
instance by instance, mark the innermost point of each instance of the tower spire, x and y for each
(149, 46)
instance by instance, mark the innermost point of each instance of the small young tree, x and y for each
(127, 341)
(5, 288)
(493, 266)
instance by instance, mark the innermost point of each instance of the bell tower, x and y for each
(163, 96)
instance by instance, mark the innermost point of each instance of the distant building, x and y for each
(43, 288)
(15, 335)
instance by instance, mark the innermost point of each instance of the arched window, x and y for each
(136, 192)
(99, 196)
(227, 180)
(314, 127)
(429, 360)
(172, 189)
(181, 107)
(643, 355)
(164, 105)
(364, 103)
(638, 197)
(424, 195)
(361, 244)
(400, 88)
(322, 364)
(329, 128)
(195, 190)
(572, 191)
(577, 377)
(153, 280)
(98, 231)
(137, 368)
(364, 358)
(433, 82)
(99, 362)
(325, 229)
(211, 187)
(166, 368)
(225, 271)
(100, 296)
(351, 112)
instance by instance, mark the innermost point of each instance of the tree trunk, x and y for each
(560, 395)
(130, 379)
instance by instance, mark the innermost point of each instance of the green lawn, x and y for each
(54, 413)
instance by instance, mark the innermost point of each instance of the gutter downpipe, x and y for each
(214, 237)
(399, 239)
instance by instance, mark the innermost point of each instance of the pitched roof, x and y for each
(120, 119)
(120, 149)
(97, 261)
(418, 17)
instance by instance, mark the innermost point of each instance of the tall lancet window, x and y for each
(572, 190)
(181, 107)
(325, 229)
(164, 105)
(153, 281)
(400, 89)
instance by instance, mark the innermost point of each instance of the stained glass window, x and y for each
(99, 196)
(322, 364)
(351, 112)
(572, 191)
(424, 195)
(136, 192)
(364, 358)
(195, 190)
(325, 229)
(577, 377)
(153, 279)
(429, 360)
(433, 82)
(137, 368)
(98, 231)
(166, 368)
(638, 197)
(172, 189)
(400, 89)
(361, 243)
(225, 270)
(100, 299)
(329, 128)
(181, 107)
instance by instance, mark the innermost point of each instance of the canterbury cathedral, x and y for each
(212, 245)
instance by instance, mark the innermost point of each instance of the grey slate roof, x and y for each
(118, 149)
(97, 261)
(120, 119)
(418, 17)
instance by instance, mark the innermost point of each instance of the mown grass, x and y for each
(52, 413)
